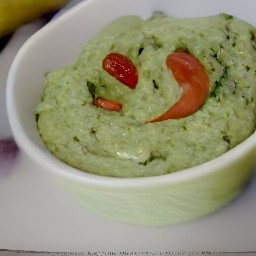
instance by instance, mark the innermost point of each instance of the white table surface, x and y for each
(35, 214)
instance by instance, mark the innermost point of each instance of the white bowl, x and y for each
(154, 201)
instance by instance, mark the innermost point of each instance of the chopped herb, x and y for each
(227, 138)
(184, 127)
(215, 56)
(155, 84)
(219, 83)
(253, 39)
(247, 101)
(91, 88)
(76, 139)
(227, 32)
(182, 49)
(140, 50)
(228, 17)
(225, 73)
(93, 130)
(247, 68)
(252, 35)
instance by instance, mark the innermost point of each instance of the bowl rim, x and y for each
(59, 168)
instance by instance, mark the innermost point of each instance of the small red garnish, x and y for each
(121, 68)
(193, 78)
(107, 104)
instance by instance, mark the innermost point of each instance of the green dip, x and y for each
(121, 144)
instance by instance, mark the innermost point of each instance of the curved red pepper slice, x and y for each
(193, 78)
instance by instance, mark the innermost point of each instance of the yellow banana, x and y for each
(14, 13)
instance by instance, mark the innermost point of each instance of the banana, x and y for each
(15, 13)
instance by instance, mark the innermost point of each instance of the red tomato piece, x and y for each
(121, 67)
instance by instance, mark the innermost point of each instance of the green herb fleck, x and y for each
(155, 84)
(228, 17)
(219, 83)
(91, 88)
(140, 50)
(93, 130)
(253, 39)
(76, 139)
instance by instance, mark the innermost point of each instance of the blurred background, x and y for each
(19, 19)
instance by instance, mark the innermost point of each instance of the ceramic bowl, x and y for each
(153, 201)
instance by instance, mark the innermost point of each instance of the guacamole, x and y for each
(122, 143)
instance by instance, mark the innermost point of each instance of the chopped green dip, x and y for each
(122, 144)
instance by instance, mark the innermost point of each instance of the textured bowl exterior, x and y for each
(172, 203)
